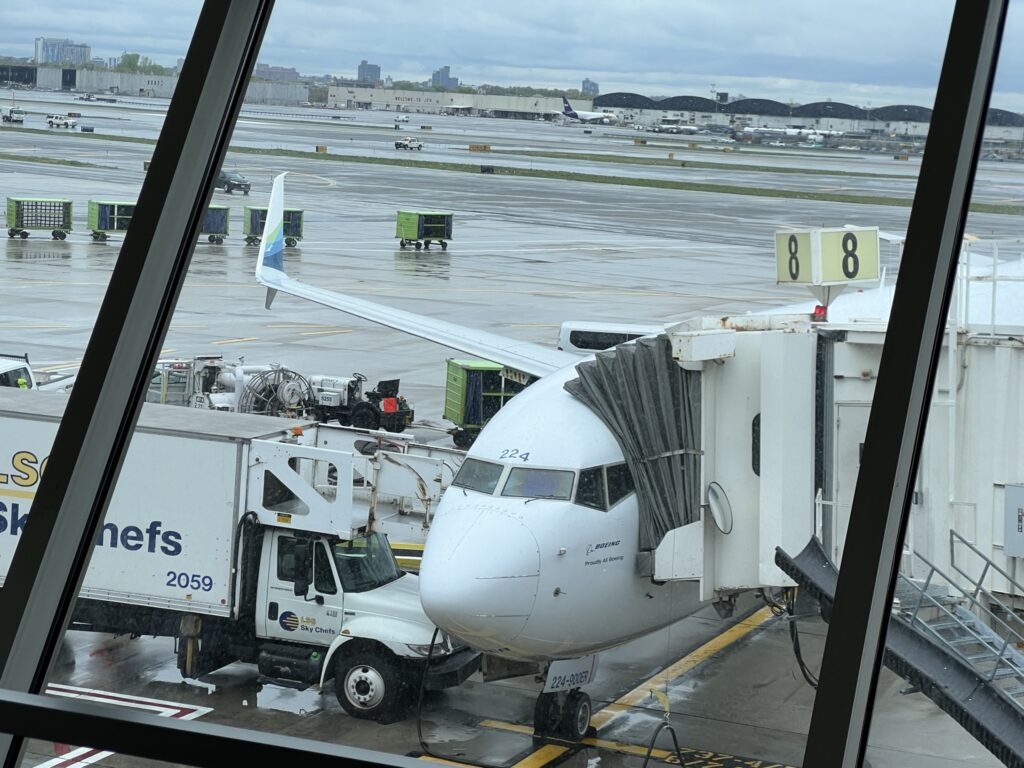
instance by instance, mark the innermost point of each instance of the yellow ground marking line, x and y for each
(737, 631)
(614, 746)
(542, 756)
(325, 333)
(17, 494)
(234, 341)
(298, 325)
(430, 759)
(58, 366)
(167, 351)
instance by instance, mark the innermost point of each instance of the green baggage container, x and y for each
(474, 391)
(106, 216)
(215, 223)
(255, 216)
(421, 228)
(25, 214)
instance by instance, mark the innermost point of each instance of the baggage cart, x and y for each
(474, 391)
(255, 216)
(215, 223)
(421, 228)
(26, 214)
(106, 216)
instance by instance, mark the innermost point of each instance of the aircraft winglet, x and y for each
(270, 263)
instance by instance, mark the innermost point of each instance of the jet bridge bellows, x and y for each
(653, 408)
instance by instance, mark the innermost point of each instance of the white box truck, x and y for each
(227, 532)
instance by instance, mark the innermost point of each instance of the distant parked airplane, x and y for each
(585, 117)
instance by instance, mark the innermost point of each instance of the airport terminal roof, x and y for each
(769, 107)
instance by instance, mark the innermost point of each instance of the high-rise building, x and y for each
(268, 72)
(368, 73)
(52, 50)
(441, 78)
(590, 88)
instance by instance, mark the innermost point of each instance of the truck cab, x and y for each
(409, 142)
(334, 595)
(14, 115)
(16, 372)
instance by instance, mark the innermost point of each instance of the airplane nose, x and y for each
(479, 574)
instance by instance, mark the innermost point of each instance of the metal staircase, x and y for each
(950, 638)
(967, 620)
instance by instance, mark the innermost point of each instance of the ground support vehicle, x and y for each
(60, 121)
(409, 142)
(254, 217)
(106, 216)
(421, 228)
(474, 391)
(266, 559)
(16, 372)
(215, 223)
(26, 214)
(229, 181)
(14, 115)
(207, 381)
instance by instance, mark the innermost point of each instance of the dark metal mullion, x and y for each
(170, 740)
(853, 650)
(53, 551)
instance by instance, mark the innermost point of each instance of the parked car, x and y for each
(229, 181)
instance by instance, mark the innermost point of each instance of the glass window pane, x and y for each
(959, 599)
(538, 483)
(590, 490)
(493, 204)
(479, 475)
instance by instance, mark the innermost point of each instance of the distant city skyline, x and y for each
(869, 53)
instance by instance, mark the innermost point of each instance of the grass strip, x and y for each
(589, 178)
(50, 160)
(701, 164)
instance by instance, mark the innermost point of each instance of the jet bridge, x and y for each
(716, 421)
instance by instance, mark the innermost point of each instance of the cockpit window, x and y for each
(539, 483)
(478, 475)
(590, 491)
(620, 483)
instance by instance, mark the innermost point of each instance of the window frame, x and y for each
(53, 553)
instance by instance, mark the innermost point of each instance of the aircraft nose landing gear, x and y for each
(562, 715)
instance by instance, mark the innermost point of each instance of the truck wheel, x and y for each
(291, 242)
(365, 416)
(444, 245)
(368, 685)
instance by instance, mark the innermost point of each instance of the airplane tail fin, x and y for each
(567, 108)
(270, 262)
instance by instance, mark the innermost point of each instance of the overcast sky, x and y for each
(873, 52)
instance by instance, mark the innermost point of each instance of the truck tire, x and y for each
(365, 416)
(368, 685)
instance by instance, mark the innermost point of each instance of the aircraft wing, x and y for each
(525, 356)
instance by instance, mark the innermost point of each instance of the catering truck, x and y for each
(240, 537)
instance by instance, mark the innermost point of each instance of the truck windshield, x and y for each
(365, 563)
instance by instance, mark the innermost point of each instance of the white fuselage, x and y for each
(540, 578)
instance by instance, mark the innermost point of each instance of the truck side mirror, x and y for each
(301, 588)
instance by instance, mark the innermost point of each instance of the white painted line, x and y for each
(82, 756)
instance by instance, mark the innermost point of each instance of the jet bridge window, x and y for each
(590, 490)
(620, 483)
(539, 483)
(478, 475)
